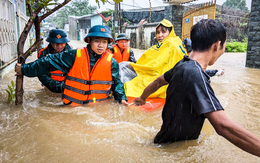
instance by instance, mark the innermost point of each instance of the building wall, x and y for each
(96, 20)
(141, 36)
(253, 49)
(133, 34)
(72, 28)
(174, 14)
(12, 22)
(79, 26)
(147, 36)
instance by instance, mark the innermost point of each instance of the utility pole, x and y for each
(116, 19)
(119, 17)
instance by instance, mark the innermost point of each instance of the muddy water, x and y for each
(43, 130)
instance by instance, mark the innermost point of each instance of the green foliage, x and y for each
(107, 14)
(75, 8)
(11, 92)
(237, 46)
(236, 4)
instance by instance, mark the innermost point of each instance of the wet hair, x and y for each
(207, 32)
(164, 29)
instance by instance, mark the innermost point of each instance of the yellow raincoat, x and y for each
(155, 62)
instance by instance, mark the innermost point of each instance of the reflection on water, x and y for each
(43, 130)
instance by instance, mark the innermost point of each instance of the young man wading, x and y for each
(190, 98)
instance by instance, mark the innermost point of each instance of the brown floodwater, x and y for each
(44, 130)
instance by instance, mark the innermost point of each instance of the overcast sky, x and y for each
(138, 4)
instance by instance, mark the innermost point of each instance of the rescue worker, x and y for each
(58, 42)
(92, 72)
(121, 50)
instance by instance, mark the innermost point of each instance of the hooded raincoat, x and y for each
(155, 62)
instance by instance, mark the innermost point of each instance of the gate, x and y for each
(7, 33)
(194, 15)
(153, 39)
(133, 40)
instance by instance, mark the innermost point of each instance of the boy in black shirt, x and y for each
(190, 98)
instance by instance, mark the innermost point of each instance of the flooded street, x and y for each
(44, 130)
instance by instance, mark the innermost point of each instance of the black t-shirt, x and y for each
(189, 97)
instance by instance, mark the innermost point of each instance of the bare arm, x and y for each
(234, 133)
(151, 88)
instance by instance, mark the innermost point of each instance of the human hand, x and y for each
(18, 69)
(139, 101)
(220, 72)
(124, 102)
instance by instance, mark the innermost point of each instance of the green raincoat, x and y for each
(64, 61)
(46, 80)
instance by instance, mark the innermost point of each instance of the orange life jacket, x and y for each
(82, 85)
(121, 57)
(57, 74)
(40, 52)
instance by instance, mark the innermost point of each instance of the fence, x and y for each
(7, 33)
(194, 15)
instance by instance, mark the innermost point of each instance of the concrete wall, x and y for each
(133, 33)
(12, 22)
(96, 20)
(174, 14)
(144, 35)
(253, 49)
(79, 26)
(72, 28)
(141, 37)
(147, 36)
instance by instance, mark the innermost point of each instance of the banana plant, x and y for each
(11, 92)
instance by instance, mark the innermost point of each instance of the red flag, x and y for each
(106, 19)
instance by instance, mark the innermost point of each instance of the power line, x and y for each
(110, 2)
(122, 4)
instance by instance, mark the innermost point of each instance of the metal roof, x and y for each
(177, 2)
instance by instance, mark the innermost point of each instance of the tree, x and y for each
(38, 10)
(75, 8)
(236, 4)
(107, 14)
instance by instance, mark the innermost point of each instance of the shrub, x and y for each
(236, 46)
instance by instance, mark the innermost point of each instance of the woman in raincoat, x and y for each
(156, 61)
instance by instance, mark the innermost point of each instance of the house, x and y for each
(80, 25)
